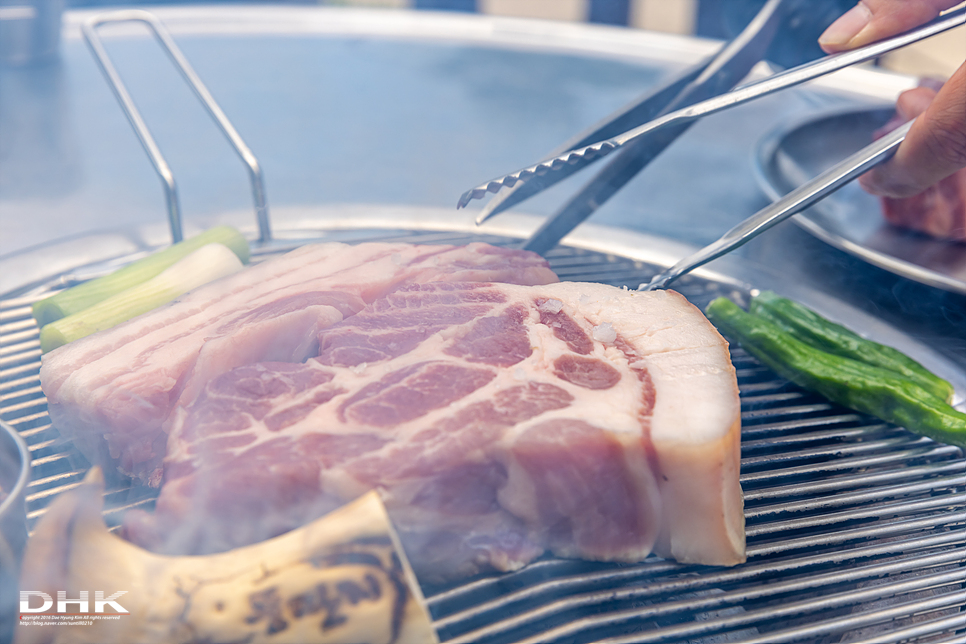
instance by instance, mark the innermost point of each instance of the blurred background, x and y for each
(720, 19)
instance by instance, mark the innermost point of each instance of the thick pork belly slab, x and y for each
(497, 421)
(112, 391)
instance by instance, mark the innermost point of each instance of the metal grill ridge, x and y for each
(856, 529)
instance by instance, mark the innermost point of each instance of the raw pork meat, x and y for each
(498, 422)
(110, 392)
(938, 211)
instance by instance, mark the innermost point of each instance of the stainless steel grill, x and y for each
(856, 529)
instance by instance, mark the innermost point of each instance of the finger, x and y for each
(911, 103)
(934, 148)
(873, 20)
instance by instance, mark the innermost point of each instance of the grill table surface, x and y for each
(856, 529)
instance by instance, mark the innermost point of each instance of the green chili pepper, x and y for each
(860, 386)
(810, 327)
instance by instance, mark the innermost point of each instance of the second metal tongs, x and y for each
(794, 202)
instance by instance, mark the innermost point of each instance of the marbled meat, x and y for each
(498, 422)
(111, 392)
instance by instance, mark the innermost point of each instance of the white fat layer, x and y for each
(551, 306)
(680, 417)
(605, 332)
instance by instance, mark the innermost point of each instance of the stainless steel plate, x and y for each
(851, 219)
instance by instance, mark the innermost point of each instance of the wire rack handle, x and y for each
(161, 34)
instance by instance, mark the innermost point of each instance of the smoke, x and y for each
(13, 530)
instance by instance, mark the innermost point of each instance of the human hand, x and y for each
(935, 146)
(940, 209)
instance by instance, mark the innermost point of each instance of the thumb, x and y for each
(873, 20)
(935, 146)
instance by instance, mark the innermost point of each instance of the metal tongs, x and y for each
(672, 109)
(794, 202)
(711, 77)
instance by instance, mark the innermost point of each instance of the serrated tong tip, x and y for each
(594, 151)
